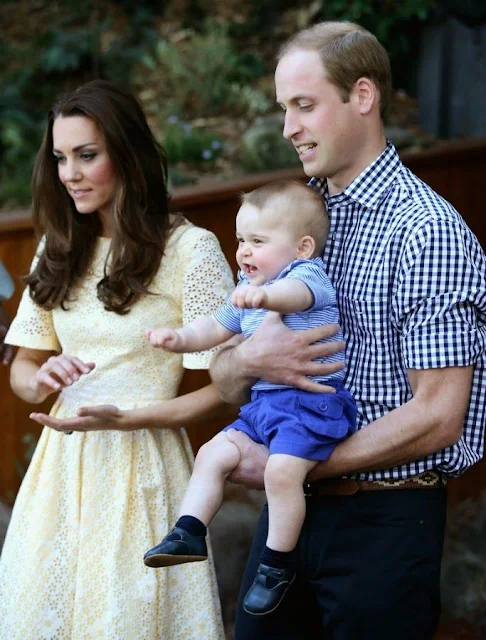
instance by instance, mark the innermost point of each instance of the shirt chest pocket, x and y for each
(367, 320)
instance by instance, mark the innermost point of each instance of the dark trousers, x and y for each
(369, 569)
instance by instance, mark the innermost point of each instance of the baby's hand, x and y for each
(165, 338)
(249, 297)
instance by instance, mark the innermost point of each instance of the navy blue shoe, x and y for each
(267, 590)
(177, 547)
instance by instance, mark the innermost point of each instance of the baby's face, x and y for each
(265, 244)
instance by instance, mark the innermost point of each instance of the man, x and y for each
(6, 290)
(411, 286)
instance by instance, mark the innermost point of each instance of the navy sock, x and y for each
(192, 525)
(278, 559)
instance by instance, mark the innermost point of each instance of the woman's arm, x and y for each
(183, 411)
(36, 374)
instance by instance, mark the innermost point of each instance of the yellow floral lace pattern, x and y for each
(92, 503)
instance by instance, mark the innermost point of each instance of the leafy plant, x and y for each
(201, 75)
(185, 143)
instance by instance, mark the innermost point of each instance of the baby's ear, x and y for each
(306, 248)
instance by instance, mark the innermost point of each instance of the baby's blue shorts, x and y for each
(298, 423)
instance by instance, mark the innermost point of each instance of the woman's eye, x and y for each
(59, 159)
(88, 156)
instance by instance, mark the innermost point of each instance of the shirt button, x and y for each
(322, 406)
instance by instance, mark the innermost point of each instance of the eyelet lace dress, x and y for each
(92, 503)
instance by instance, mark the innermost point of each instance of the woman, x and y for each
(111, 262)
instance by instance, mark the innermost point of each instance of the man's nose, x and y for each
(291, 125)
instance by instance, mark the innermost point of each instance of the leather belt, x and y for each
(350, 486)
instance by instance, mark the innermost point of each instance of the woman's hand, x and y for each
(56, 373)
(100, 418)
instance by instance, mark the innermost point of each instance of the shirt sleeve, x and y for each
(314, 276)
(33, 326)
(207, 282)
(6, 283)
(440, 300)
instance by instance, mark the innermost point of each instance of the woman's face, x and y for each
(84, 166)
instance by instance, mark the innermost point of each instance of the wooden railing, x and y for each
(456, 171)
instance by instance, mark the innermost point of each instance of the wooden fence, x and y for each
(456, 170)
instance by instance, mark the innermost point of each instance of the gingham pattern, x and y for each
(410, 279)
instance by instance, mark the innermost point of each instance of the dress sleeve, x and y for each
(33, 326)
(207, 282)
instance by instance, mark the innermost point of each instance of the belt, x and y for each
(350, 486)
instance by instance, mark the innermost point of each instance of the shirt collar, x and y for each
(370, 187)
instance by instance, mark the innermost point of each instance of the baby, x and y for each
(281, 230)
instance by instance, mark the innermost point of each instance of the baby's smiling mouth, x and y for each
(249, 269)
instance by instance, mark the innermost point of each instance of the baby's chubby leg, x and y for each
(284, 479)
(214, 462)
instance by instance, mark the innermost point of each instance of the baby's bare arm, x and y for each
(285, 296)
(203, 333)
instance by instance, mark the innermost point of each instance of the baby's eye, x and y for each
(257, 241)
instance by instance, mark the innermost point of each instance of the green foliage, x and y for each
(386, 19)
(263, 148)
(188, 144)
(57, 59)
(202, 75)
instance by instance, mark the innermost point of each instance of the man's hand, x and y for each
(253, 460)
(6, 350)
(249, 297)
(101, 418)
(283, 356)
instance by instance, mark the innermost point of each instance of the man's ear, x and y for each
(306, 248)
(366, 94)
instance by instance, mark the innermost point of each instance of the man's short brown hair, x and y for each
(348, 52)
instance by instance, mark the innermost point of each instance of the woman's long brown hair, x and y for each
(140, 209)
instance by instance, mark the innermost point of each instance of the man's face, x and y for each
(323, 129)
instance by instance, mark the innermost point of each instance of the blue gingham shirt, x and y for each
(410, 279)
(323, 311)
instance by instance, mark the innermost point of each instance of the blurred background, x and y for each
(203, 72)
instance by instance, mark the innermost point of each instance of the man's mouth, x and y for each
(303, 149)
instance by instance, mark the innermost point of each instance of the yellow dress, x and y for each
(92, 503)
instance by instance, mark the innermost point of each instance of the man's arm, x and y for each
(432, 420)
(277, 354)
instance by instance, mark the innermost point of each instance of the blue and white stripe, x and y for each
(323, 311)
